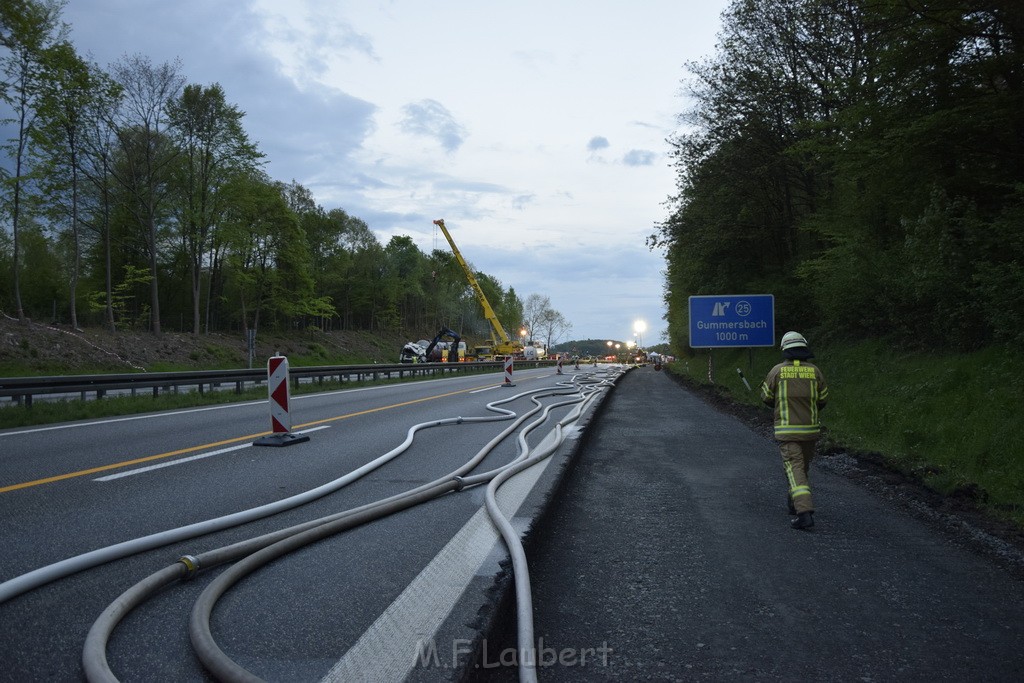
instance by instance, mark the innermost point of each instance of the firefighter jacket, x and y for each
(797, 390)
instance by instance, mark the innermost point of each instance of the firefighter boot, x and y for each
(805, 520)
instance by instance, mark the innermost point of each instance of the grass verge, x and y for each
(952, 420)
(50, 412)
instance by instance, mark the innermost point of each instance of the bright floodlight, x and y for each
(639, 326)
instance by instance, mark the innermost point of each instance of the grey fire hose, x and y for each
(224, 668)
(58, 570)
(527, 658)
(259, 551)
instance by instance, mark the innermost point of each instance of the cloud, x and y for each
(306, 133)
(522, 201)
(534, 59)
(339, 36)
(431, 119)
(644, 124)
(601, 289)
(639, 157)
(323, 85)
(328, 127)
(457, 185)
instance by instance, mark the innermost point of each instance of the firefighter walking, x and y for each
(796, 389)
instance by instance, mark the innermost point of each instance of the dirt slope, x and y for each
(33, 348)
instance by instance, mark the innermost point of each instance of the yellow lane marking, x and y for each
(192, 449)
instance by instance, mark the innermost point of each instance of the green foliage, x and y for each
(126, 314)
(109, 175)
(950, 418)
(41, 283)
(947, 414)
(593, 347)
(48, 412)
(861, 162)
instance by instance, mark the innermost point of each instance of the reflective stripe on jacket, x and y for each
(798, 391)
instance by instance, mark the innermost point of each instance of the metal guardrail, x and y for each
(22, 389)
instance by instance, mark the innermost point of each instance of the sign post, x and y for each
(731, 321)
(250, 339)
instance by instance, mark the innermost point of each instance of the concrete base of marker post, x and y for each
(286, 439)
(508, 373)
(279, 391)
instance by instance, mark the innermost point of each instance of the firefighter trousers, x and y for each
(796, 459)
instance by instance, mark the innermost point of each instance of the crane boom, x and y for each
(503, 344)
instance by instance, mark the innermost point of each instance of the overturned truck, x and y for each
(434, 351)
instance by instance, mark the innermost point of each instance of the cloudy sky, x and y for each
(536, 129)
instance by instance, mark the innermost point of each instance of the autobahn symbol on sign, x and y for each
(728, 320)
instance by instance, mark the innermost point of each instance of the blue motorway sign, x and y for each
(732, 320)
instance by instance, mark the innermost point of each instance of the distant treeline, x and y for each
(862, 160)
(133, 199)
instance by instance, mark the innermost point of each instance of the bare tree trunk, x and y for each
(197, 278)
(154, 293)
(109, 309)
(74, 240)
(20, 311)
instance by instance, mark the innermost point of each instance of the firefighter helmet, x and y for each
(792, 340)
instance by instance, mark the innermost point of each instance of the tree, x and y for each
(328, 259)
(366, 296)
(860, 160)
(926, 173)
(42, 276)
(534, 310)
(553, 326)
(64, 106)
(506, 305)
(147, 152)
(544, 322)
(449, 299)
(404, 275)
(27, 29)
(213, 148)
(98, 143)
(267, 257)
(511, 310)
(357, 271)
(255, 212)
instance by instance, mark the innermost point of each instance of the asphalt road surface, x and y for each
(664, 552)
(668, 556)
(317, 613)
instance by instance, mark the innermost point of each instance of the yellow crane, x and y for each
(501, 343)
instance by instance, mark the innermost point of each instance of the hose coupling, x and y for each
(460, 483)
(191, 563)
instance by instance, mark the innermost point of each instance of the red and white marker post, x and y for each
(279, 391)
(508, 373)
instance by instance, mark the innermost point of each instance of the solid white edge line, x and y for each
(181, 461)
(403, 635)
(224, 406)
(130, 418)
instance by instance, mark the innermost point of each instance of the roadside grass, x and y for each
(210, 357)
(953, 420)
(8, 369)
(50, 412)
